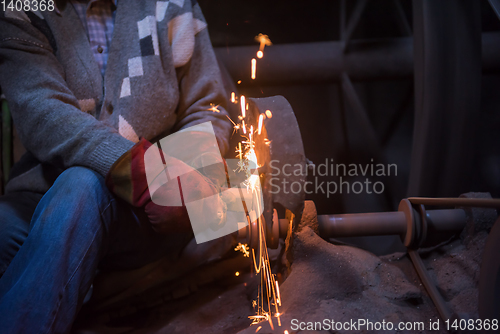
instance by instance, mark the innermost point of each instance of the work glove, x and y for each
(161, 184)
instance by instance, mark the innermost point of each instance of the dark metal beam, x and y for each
(495, 4)
(353, 23)
(447, 40)
(320, 62)
(402, 19)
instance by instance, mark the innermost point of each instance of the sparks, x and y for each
(243, 248)
(237, 273)
(240, 156)
(264, 41)
(243, 105)
(285, 332)
(238, 82)
(254, 67)
(261, 119)
(260, 54)
(214, 108)
(268, 294)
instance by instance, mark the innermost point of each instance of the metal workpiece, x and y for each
(468, 202)
(362, 224)
(408, 222)
(286, 148)
(250, 233)
(283, 146)
(279, 144)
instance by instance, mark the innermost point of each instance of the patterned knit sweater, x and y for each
(161, 76)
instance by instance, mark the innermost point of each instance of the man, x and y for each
(91, 84)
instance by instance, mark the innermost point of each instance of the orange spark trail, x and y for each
(261, 119)
(254, 67)
(243, 105)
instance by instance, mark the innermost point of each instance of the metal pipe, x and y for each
(446, 220)
(386, 223)
(469, 202)
(324, 61)
(362, 224)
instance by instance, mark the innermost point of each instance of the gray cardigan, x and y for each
(161, 76)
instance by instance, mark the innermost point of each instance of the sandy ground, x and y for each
(326, 281)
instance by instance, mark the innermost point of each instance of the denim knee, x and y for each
(81, 180)
(78, 191)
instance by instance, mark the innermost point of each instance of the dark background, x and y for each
(389, 103)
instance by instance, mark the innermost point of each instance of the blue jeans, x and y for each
(52, 246)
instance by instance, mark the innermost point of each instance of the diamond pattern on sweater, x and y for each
(182, 30)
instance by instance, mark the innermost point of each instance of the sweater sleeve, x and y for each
(46, 113)
(201, 86)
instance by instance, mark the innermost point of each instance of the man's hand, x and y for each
(173, 185)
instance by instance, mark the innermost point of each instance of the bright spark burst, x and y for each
(214, 108)
(264, 41)
(244, 249)
(269, 114)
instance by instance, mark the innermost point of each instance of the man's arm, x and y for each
(46, 113)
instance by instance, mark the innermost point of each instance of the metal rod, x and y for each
(443, 309)
(362, 224)
(469, 202)
(353, 23)
(387, 223)
(446, 220)
(402, 19)
(324, 61)
(495, 5)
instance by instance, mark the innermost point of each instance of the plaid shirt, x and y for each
(98, 18)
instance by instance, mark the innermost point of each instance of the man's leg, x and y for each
(76, 223)
(16, 210)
